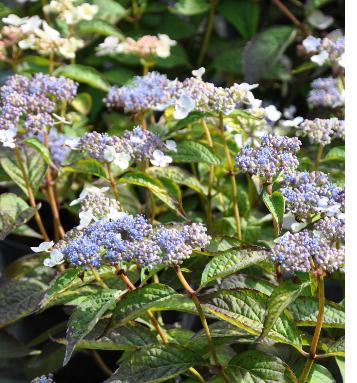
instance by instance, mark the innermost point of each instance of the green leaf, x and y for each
(10, 347)
(85, 317)
(19, 299)
(276, 205)
(40, 148)
(83, 74)
(110, 11)
(14, 212)
(190, 7)
(242, 14)
(25, 265)
(98, 27)
(151, 183)
(34, 165)
(89, 166)
(341, 365)
(191, 151)
(279, 300)
(229, 61)
(335, 154)
(246, 309)
(155, 363)
(304, 311)
(150, 297)
(82, 103)
(254, 366)
(180, 176)
(229, 262)
(320, 374)
(59, 285)
(264, 51)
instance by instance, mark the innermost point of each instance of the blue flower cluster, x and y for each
(133, 239)
(31, 101)
(43, 379)
(153, 91)
(276, 154)
(326, 92)
(310, 193)
(331, 228)
(322, 131)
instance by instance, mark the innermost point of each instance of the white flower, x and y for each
(72, 142)
(7, 137)
(71, 16)
(272, 113)
(108, 46)
(290, 223)
(289, 112)
(85, 218)
(293, 123)
(55, 258)
(238, 139)
(44, 246)
(329, 210)
(89, 190)
(341, 60)
(319, 20)
(159, 159)
(311, 44)
(120, 159)
(28, 43)
(163, 49)
(69, 47)
(199, 72)
(14, 20)
(47, 33)
(171, 145)
(31, 24)
(115, 214)
(184, 105)
(86, 11)
(321, 58)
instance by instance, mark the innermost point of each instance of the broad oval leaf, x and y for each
(276, 205)
(191, 151)
(99, 27)
(229, 262)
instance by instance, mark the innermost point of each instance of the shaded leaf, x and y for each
(191, 151)
(99, 27)
(88, 166)
(190, 7)
(335, 154)
(276, 205)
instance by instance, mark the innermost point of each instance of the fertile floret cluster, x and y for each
(276, 154)
(43, 379)
(68, 12)
(27, 101)
(331, 228)
(133, 239)
(299, 251)
(151, 92)
(310, 193)
(328, 50)
(326, 92)
(322, 131)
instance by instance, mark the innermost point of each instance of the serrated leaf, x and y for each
(264, 51)
(151, 183)
(85, 317)
(191, 151)
(59, 285)
(180, 176)
(229, 262)
(82, 103)
(276, 205)
(88, 166)
(150, 297)
(246, 309)
(190, 7)
(335, 154)
(14, 212)
(279, 300)
(249, 282)
(255, 366)
(83, 74)
(242, 14)
(19, 299)
(304, 311)
(99, 27)
(155, 363)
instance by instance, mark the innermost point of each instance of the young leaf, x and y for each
(255, 366)
(246, 309)
(155, 363)
(264, 51)
(279, 300)
(229, 262)
(191, 151)
(85, 317)
(83, 74)
(275, 204)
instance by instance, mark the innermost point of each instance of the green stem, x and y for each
(97, 277)
(318, 156)
(317, 332)
(234, 190)
(208, 32)
(112, 182)
(193, 295)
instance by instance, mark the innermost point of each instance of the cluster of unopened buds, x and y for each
(326, 92)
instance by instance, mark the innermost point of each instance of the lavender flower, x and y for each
(43, 379)
(322, 131)
(326, 92)
(307, 194)
(276, 154)
(331, 228)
